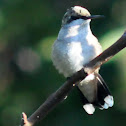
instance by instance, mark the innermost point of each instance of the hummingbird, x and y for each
(74, 47)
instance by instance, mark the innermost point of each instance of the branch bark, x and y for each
(58, 96)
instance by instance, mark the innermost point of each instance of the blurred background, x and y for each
(27, 75)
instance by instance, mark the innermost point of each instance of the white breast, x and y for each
(72, 51)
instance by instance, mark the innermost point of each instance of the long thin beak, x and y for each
(95, 16)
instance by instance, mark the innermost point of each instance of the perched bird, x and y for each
(75, 46)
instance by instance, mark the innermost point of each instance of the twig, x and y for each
(24, 120)
(63, 91)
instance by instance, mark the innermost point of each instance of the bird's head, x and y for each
(78, 12)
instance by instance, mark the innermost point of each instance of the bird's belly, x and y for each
(69, 58)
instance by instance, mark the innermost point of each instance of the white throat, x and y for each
(75, 29)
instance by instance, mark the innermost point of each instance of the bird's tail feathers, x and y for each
(103, 100)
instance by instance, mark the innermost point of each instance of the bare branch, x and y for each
(63, 91)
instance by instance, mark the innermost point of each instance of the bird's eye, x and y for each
(75, 17)
(79, 17)
(72, 18)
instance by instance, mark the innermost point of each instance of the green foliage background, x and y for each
(27, 77)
